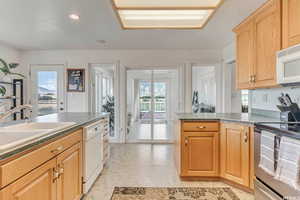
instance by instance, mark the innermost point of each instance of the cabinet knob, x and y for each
(57, 149)
(186, 141)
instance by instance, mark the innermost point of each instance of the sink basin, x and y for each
(11, 138)
(20, 134)
(39, 125)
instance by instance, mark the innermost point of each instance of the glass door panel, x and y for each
(47, 92)
(47, 89)
(149, 104)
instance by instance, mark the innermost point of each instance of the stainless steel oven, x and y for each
(267, 142)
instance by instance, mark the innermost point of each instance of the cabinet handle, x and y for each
(57, 149)
(60, 172)
(55, 175)
(201, 127)
(250, 79)
(186, 141)
(254, 78)
(246, 137)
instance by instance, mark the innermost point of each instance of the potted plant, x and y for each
(109, 107)
(6, 68)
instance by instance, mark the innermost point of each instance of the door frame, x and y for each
(61, 69)
(118, 130)
(179, 69)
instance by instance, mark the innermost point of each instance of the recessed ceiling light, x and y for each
(168, 14)
(74, 16)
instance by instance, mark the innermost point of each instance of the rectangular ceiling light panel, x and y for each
(164, 18)
(160, 14)
(167, 3)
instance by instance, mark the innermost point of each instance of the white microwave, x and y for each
(288, 66)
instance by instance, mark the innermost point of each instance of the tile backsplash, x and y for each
(266, 99)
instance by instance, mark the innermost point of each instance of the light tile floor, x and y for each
(144, 165)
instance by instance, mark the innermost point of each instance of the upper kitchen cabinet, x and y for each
(244, 44)
(258, 40)
(267, 41)
(290, 22)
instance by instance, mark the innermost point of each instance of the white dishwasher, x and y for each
(92, 154)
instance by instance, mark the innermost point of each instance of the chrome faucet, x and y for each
(15, 110)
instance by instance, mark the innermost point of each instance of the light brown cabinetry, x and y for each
(36, 185)
(235, 153)
(59, 178)
(245, 61)
(69, 182)
(290, 22)
(200, 149)
(258, 40)
(226, 151)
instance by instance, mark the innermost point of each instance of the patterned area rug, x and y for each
(141, 193)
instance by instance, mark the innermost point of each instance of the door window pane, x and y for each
(204, 89)
(47, 92)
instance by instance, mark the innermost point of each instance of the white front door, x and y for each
(47, 89)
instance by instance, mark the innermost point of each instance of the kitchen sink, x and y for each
(53, 126)
(20, 134)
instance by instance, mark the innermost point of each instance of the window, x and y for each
(245, 101)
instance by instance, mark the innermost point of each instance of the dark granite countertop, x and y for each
(232, 117)
(79, 119)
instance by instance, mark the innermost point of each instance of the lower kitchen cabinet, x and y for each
(235, 153)
(57, 178)
(200, 154)
(38, 184)
(69, 181)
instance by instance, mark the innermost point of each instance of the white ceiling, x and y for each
(44, 24)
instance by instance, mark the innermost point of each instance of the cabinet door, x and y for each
(235, 153)
(200, 154)
(69, 165)
(38, 184)
(267, 41)
(244, 46)
(291, 22)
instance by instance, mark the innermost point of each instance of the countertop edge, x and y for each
(30, 145)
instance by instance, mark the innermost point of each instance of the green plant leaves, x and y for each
(2, 90)
(5, 68)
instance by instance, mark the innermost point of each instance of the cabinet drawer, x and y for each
(200, 126)
(13, 170)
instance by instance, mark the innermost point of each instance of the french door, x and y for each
(148, 106)
(47, 89)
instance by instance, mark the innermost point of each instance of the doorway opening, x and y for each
(204, 89)
(152, 101)
(102, 95)
(47, 90)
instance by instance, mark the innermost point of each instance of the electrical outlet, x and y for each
(265, 98)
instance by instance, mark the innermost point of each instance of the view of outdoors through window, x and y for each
(159, 98)
(245, 100)
(47, 92)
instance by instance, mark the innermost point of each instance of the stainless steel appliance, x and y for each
(288, 62)
(267, 150)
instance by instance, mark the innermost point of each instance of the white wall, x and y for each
(132, 58)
